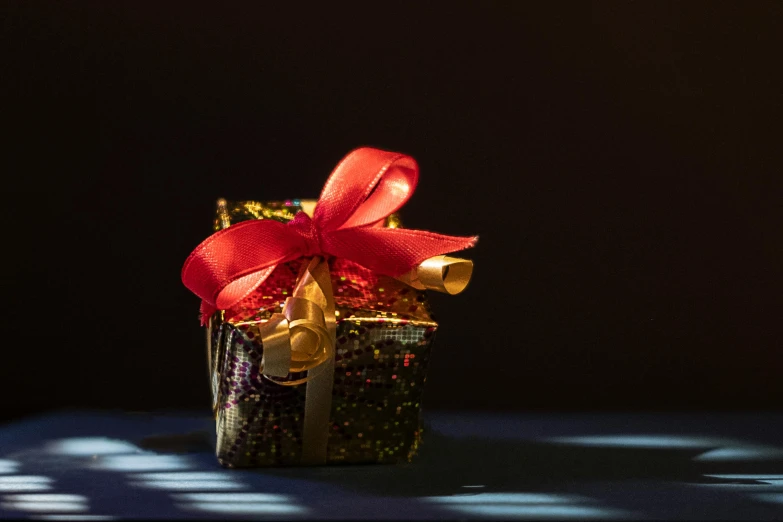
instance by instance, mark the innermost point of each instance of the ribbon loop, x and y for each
(276, 358)
(366, 186)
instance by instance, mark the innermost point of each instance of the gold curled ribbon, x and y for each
(302, 339)
(446, 274)
(298, 339)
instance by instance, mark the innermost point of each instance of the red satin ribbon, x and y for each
(366, 187)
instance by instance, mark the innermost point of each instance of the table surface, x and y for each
(114, 465)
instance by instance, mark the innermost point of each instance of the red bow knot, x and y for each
(305, 227)
(363, 190)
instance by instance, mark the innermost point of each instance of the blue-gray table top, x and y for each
(114, 465)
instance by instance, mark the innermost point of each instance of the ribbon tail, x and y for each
(393, 251)
(318, 395)
(206, 312)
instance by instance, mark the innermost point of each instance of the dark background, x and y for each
(620, 161)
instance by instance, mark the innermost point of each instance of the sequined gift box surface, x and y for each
(384, 337)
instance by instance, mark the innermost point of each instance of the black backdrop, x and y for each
(620, 161)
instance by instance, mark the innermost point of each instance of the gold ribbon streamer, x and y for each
(302, 338)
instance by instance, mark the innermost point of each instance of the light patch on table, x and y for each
(46, 507)
(89, 446)
(81, 516)
(8, 466)
(191, 485)
(19, 483)
(184, 475)
(746, 476)
(505, 498)
(46, 497)
(750, 482)
(188, 481)
(776, 498)
(766, 484)
(231, 497)
(642, 441)
(147, 462)
(524, 505)
(539, 511)
(741, 453)
(246, 508)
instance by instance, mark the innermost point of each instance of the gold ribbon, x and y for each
(449, 275)
(302, 338)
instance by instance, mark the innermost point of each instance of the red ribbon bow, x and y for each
(364, 189)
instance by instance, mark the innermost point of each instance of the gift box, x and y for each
(317, 343)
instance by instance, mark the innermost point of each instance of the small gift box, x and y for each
(319, 329)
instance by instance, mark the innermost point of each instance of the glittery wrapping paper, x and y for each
(384, 337)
